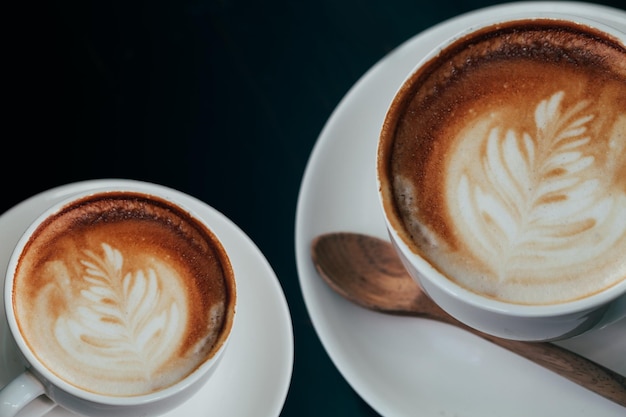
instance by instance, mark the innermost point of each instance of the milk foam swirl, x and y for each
(121, 322)
(538, 204)
(113, 327)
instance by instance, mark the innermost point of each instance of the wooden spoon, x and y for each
(367, 271)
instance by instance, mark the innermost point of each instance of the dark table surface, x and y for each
(220, 99)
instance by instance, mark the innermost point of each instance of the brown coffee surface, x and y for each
(503, 161)
(123, 294)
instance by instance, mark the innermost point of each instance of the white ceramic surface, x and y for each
(254, 374)
(406, 366)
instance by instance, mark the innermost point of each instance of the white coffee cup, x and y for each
(42, 377)
(441, 252)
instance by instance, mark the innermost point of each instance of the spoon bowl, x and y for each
(366, 270)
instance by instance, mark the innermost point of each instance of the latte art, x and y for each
(123, 294)
(503, 162)
(115, 321)
(538, 204)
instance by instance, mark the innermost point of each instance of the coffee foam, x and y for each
(123, 294)
(509, 162)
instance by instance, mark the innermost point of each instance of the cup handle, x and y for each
(19, 393)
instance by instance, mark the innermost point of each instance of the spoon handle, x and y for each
(578, 369)
(367, 271)
(570, 365)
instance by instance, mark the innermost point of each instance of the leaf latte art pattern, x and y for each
(539, 201)
(123, 322)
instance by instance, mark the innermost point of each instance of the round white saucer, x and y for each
(254, 375)
(406, 366)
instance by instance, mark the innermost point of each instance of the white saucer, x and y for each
(406, 366)
(254, 375)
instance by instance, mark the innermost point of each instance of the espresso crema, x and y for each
(503, 161)
(123, 294)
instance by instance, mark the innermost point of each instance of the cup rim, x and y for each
(618, 33)
(396, 229)
(51, 379)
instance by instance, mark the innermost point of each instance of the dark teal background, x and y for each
(222, 100)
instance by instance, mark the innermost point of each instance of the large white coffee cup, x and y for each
(121, 302)
(502, 176)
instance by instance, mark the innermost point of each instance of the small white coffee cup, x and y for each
(519, 319)
(38, 378)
